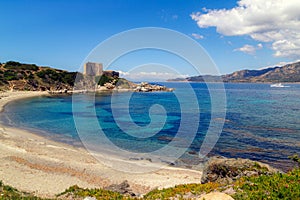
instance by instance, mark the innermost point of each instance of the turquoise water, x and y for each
(262, 123)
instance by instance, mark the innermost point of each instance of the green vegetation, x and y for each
(9, 75)
(116, 81)
(105, 79)
(277, 186)
(8, 192)
(181, 191)
(76, 191)
(123, 83)
(20, 66)
(52, 75)
(19, 76)
(296, 159)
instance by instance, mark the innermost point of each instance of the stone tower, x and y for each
(93, 69)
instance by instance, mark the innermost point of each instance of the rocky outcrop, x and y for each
(122, 188)
(146, 87)
(220, 169)
(129, 86)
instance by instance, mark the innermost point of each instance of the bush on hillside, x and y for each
(105, 79)
(20, 66)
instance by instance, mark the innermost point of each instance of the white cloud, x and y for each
(121, 73)
(197, 36)
(249, 49)
(275, 21)
(259, 46)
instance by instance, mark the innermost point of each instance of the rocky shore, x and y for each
(146, 87)
(110, 87)
(124, 85)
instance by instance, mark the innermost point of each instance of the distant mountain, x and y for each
(286, 73)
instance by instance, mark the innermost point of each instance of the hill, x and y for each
(286, 73)
(20, 76)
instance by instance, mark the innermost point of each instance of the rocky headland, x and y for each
(15, 76)
(289, 73)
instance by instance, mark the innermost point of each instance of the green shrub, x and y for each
(105, 79)
(19, 66)
(68, 77)
(52, 75)
(97, 193)
(121, 82)
(48, 74)
(276, 186)
(181, 190)
(295, 158)
(8, 192)
(10, 75)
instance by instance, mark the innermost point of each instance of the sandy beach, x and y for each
(36, 164)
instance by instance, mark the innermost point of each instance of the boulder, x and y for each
(109, 85)
(122, 188)
(221, 169)
(216, 196)
(89, 198)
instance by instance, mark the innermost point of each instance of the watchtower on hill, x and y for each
(93, 69)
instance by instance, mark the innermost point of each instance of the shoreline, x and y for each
(32, 163)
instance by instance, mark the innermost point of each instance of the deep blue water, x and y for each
(262, 123)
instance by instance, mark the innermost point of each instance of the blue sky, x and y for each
(236, 34)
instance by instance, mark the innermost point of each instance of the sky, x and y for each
(245, 34)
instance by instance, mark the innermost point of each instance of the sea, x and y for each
(254, 121)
